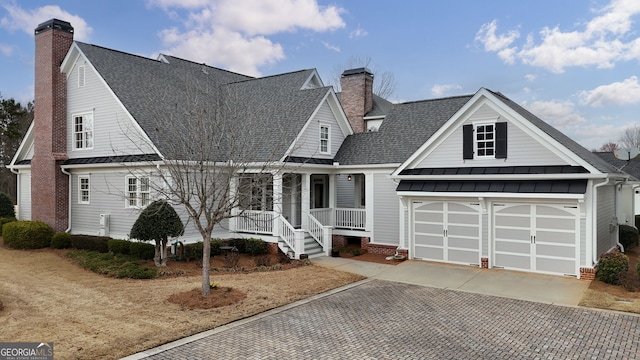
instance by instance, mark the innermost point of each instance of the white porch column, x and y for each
(305, 198)
(368, 202)
(277, 202)
(332, 191)
(233, 193)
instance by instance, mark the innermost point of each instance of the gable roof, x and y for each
(171, 88)
(631, 167)
(405, 128)
(554, 133)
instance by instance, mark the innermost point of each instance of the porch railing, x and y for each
(255, 221)
(345, 218)
(320, 233)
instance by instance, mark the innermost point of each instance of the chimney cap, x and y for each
(357, 71)
(54, 24)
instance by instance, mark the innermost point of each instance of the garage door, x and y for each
(536, 237)
(447, 231)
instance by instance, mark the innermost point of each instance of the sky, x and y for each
(573, 63)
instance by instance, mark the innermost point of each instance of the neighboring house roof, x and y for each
(405, 128)
(270, 111)
(631, 167)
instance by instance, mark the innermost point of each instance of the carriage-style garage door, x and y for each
(446, 231)
(536, 237)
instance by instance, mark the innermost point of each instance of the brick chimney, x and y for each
(357, 96)
(49, 186)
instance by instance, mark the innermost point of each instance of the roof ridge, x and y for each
(436, 99)
(118, 51)
(209, 66)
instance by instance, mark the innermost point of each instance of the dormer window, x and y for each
(484, 140)
(325, 143)
(83, 131)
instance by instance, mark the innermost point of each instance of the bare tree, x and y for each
(609, 147)
(631, 137)
(216, 153)
(384, 82)
(14, 122)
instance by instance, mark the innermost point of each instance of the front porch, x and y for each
(300, 211)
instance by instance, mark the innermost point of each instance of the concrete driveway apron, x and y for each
(383, 319)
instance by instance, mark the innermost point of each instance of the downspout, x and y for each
(594, 223)
(64, 171)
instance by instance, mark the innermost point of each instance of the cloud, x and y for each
(331, 47)
(441, 90)
(560, 114)
(602, 41)
(358, 33)
(6, 50)
(617, 93)
(234, 33)
(27, 20)
(531, 77)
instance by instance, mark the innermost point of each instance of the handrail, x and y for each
(287, 233)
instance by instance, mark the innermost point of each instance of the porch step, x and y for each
(311, 247)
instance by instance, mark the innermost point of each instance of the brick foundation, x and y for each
(272, 248)
(381, 249)
(484, 263)
(587, 273)
(338, 241)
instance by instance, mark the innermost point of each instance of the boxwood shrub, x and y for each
(215, 246)
(117, 246)
(61, 240)
(90, 242)
(4, 220)
(193, 251)
(27, 234)
(142, 250)
(628, 236)
(240, 244)
(255, 247)
(610, 266)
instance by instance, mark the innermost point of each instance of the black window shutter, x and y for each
(467, 141)
(501, 140)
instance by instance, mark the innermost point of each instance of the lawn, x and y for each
(604, 296)
(47, 297)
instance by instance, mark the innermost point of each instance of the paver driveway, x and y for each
(387, 320)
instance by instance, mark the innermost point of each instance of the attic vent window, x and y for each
(487, 140)
(81, 80)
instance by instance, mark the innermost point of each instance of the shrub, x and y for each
(5, 220)
(629, 280)
(638, 268)
(6, 206)
(119, 266)
(117, 246)
(240, 244)
(215, 246)
(27, 234)
(142, 250)
(610, 266)
(61, 240)
(255, 247)
(193, 251)
(90, 242)
(637, 221)
(628, 236)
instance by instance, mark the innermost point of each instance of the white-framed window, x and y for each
(84, 195)
(325, 139)
(81, 78)
(485, 144)
(83, 131)
(138, 192)
(256, 192)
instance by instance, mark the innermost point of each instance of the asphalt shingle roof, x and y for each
(631, 167)
(266, 114)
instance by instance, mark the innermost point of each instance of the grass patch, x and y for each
(114, 265)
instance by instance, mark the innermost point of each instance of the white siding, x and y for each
(114, 132)
(24, 195)
(522, 149)
(605, 218)
(345, 192)
(309, 142)
(107, 197)
(386, 211)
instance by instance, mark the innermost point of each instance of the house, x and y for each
(628, 206)
(475, 180)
